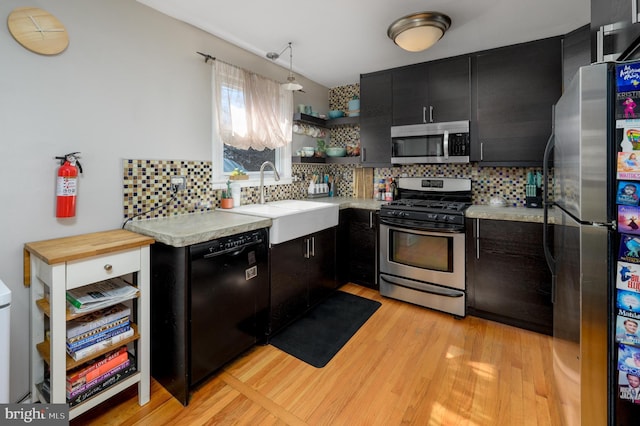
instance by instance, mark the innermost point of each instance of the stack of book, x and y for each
(99, 295)
(96, 331)
(93, 377)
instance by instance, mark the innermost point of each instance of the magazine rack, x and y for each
(54, 266)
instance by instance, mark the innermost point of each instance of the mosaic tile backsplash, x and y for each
(147, 192)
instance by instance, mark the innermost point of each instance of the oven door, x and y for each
(424, 268)
(430, 257)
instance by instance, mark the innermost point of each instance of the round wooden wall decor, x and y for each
(38, 31)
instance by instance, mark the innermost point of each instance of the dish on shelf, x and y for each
(336, 151)
(308, 151)
(334, 113)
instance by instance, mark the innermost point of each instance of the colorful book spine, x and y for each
(96, 319)
(117, 377)
(94, 366)
(98, 337)
(97, 347)
(98, 330)
(98, 380)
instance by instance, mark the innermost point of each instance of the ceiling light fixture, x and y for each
(291, 83)
(419, 31)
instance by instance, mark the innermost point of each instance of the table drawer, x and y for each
(99, 268)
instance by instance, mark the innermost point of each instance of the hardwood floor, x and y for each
(406, 365)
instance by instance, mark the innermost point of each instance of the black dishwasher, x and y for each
(229, 299)
(209, 303)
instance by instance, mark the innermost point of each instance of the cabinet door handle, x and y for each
(363, 154)
(634, 11)
(370, 219)
(424, 114)
(313, 246)
(430, 113)
(477, 232)
(481, 151)
(306, 253)
(108, 267)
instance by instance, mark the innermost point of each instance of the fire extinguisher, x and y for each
(67, 185)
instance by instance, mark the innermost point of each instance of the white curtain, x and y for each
(251, 111)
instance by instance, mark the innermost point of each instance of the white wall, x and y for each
(130, 85)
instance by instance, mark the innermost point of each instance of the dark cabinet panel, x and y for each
(618, 32)
(410, 94)
(322, 265)
(576, 53)
(514, 89)
(303, 273)
(375, 119)
(289, 290)
(507, 276)
(357, 249)
(432, 92)
(450, 89)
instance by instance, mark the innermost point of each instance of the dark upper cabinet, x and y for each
(576, 53)
(513, 91)
(432, 92)
(614, 29)
(375, 119)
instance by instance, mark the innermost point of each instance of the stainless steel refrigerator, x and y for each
(592, 134)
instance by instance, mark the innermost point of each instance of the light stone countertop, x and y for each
(187, 229)
(184, 230)
(516, 214)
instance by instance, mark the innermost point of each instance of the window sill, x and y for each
(252, 182)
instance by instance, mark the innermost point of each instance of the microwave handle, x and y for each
(445, 143)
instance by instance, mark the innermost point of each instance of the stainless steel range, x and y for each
(422, 244)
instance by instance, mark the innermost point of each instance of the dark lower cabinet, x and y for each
(303, 273)
(357, 248)
(508, 280)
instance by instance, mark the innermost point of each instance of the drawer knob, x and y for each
(108, 267)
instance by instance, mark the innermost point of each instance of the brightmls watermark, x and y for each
(34, 414)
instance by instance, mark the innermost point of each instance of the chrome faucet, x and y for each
(275, 175)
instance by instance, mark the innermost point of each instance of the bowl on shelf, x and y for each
(336, 151)
(308, 151)
(334, 113)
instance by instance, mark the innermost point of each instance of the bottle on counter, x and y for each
(394, 190)
(387, 190)
(381, 190)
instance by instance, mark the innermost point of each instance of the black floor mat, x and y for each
(322, 332)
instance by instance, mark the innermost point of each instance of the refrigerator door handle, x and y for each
(547, 203)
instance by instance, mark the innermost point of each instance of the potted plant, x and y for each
(227, 201)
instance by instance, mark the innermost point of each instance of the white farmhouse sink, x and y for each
(292, 218)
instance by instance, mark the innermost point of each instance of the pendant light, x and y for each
(418, 31)
(291, 83)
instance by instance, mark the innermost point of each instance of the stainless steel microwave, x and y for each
(428, 143)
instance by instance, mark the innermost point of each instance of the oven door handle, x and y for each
(401, 224)
(424, 287)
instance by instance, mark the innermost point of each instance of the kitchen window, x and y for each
(252, 119)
